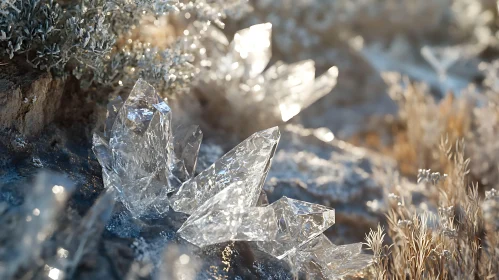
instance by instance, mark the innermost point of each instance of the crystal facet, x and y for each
(229, 215)
(321, 256)
(143, 160)
(149, 167)
(83, 237)
(299, 222)
(248, 164)
(251, 48)
(186, 143)
(113, 107)
(279, 93)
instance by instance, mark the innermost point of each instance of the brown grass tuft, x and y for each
(455, 243)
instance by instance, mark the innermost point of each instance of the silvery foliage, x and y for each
(52, 36)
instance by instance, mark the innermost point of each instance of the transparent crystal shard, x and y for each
(142, 160)
(186, 143)
(320, 256)
(113, 107)
(229, 215)
(141, 149)
(322, 86)
(81, 237)
(293, 87)
(248, 164)
(90, 229)
(141, 134)
(102, 152)
(24, 231)
(290, 86)
(250, 51)
(299, 222)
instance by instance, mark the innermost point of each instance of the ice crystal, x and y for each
(80, 238)
(229, 215)
(231, 170)
(145, 163)
(279, 93)
(299, 222)
(321, 258)
(139, 160)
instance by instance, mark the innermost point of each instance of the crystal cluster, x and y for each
(237, 70)
(142, 160)
(152, 169)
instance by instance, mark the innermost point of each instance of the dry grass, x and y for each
(415, 135)
(456, 243)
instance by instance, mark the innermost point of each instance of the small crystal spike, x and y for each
(141, 149)
(248, 164)
(83, 237)
(299, 222)
(229, 215)
(113, 107)
(186, 143)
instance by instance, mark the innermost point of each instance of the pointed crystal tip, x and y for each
(247, 164)
(141, 157)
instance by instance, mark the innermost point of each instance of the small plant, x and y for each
(49, 35)
(455, 243)
(92, 38)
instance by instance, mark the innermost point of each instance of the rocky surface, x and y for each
(29, 99)
(332, 173)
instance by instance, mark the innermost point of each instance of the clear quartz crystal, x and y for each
(186, 143)
(82, 237)
(279, 93)
(143, 160)
(140, 144)
(113, 107)
(299, 222)
(230, 215)
(247, 164)
(330, 261)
